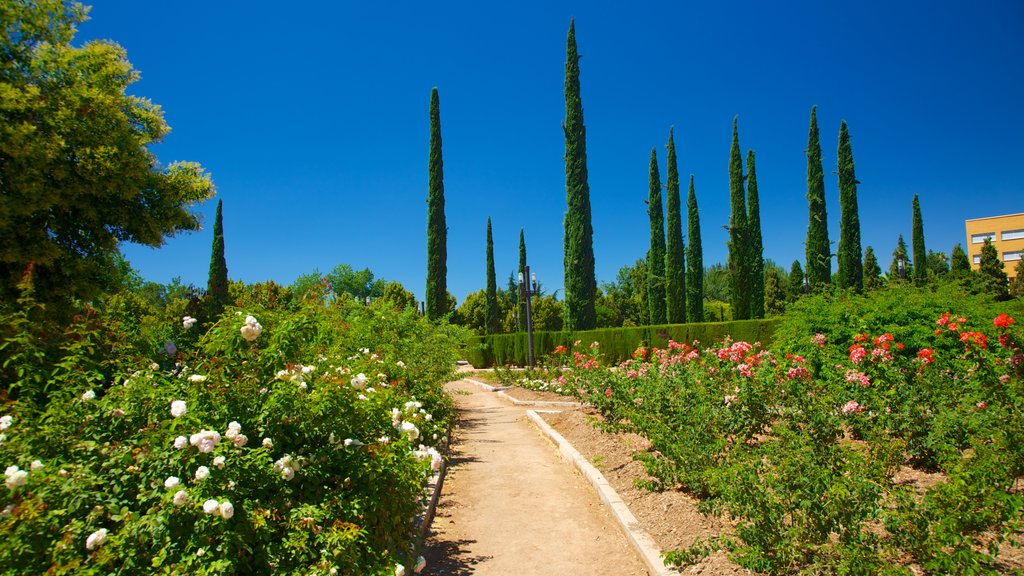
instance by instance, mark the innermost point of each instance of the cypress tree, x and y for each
(522, 270)
(739, 242)
(491, 295)
(580, 282)
(894, 268)
(756, 255)
(217, 283)
(795, 286)
(872, 272)
(675, 249)
(819, 259)
(694, 260)
(917, 240)
(656, 253)
(959, 264)
(991, 273)
(851, 272)
(437, 229)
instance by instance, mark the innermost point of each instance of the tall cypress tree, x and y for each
(819, 259)
(217, 283)
(694, 260)
(795, 286)
(437, 229)
(739, 240)
(522, 270)
(580, 282)
(755, 247)
(917, 241)
(675, 250)
(851, 272)
(491, 295)
(656, 253)
(872, 272)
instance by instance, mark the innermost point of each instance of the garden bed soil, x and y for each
(527, 395)
(671, 516)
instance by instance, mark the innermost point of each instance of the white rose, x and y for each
(218, 461)
(205, 440)
(180, 498)
(240, 440)
(36, 464)
(88, 395)
(188, 322)
(359, 381)
(251, 330)
(15, 477)
(197, 378)
(178, 408)
(180, 442)
(6, 421)
(227, 510)
(268, 443)
(171, 482)
(202, 473)
(95, 539)
(211, 506)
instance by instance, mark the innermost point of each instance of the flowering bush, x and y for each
(805, 446)
(159, 467)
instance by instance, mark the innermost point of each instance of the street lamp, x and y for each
(902, 266)
(807, 284)
(527, 293)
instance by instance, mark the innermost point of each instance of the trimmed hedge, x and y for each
(617, 344)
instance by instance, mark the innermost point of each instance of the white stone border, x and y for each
(641, 541)
(500, 392)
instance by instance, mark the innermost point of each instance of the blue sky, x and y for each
(313, 119)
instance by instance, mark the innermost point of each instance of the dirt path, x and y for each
(511, 505)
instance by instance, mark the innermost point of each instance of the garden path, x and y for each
(511, 505)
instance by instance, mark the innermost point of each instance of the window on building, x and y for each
(980, 238)
(1013, 255)
(977, 258)
(1012, 235)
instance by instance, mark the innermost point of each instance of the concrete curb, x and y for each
(434, 486)
(500, 390)
(641, 541)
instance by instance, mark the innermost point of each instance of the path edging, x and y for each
(641, 541)
(434, 486)
(500, 392)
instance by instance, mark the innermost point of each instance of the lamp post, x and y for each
(526, 291)
(807, 284)
(901, 261)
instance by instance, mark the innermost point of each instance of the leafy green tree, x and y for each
(959, 264)
(774, 289)
(548, 314)
(795, 288)
(217, 284)
(359, 284)
(851, 271)
(739, 238)
(819, 258)
(872, 272)
(656, 253)
(580, 282)
(1017, 284)
(694, 260)
(900, 255)
(471, 313)
(437, 229)
(626, 297)
(938, 264)
(77, 176)
(491, 300)
(755, 247)
(917, 239)
(675, 249)
(522, 270)
(717, 283)
(307, 284)
(992, 278)
(396, 295)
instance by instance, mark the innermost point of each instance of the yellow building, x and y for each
(1006, 234)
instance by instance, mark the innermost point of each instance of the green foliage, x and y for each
(694, 260)
(755, 246)
(937, 264)
(656, 253)
(872, 274)
(491, 321)
(359, 284)
(78, 174)
(900, 255)
(1017, 284)
(819, 254)
(675, 248)
(775, 285)
(739, 234)
(437, 229)
(325, 491)
(217, 283)
(580, 282)
(959, 264)
(850, 271)
(917, 240)
(625, 299)
(396, 295)
(796, 282)
(471, 313)
(992, 279)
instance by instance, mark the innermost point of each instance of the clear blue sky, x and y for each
(313, 119)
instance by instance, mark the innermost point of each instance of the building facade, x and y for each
(1005, 232)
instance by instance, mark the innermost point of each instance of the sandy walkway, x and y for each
(510, 505)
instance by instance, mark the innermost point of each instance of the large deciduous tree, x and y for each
(580, 282)
(675, 249)
(217, 283)
(739, 241)
(437, 230)
(851, 270)
(656, 253)
(818, 255)
(917, 241)
(694, 260)
(755, 246)
(77, 176)
(491, 295)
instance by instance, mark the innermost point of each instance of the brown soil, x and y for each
(670, 517)
(535, 395)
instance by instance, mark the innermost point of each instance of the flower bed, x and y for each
(298, 442)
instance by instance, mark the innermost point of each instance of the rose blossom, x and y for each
(226, 510)
(205, 440)
(180, 442)
(218, 461)
(171, 482)
(202, 473)
(180, 497)
(15, 477)
(251, 330)
(211, 506)
(6, 421)
(178, 408)
(95, 539)
(88, 395)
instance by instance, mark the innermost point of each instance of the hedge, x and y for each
(617, 344)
